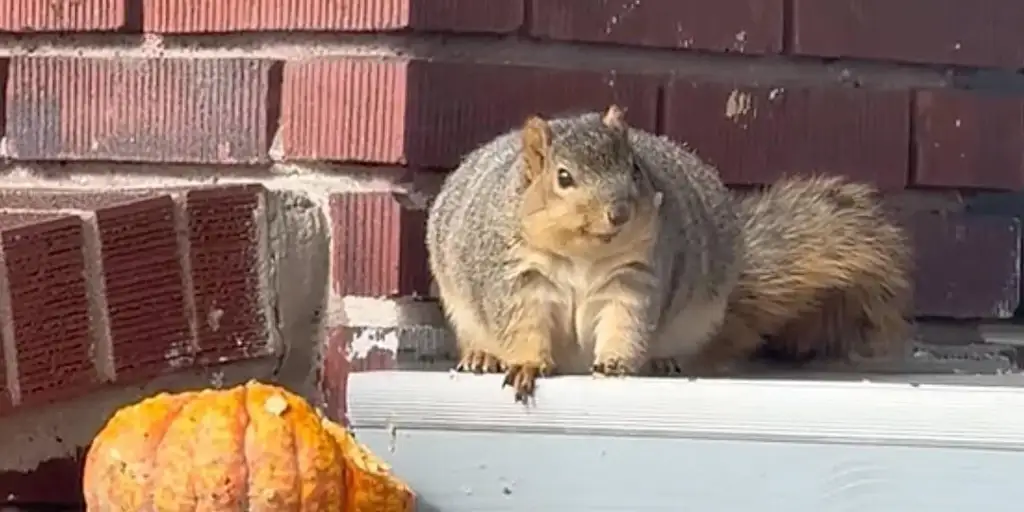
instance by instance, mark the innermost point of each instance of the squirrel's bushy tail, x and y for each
(828, 274)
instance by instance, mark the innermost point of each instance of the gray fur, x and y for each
(473, 223)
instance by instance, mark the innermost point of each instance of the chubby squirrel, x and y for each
(827, 278)
(579, 244)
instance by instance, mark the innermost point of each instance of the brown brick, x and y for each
(966, 139)
(3, 97)
(378, 246)
(64, 16)
(192, 16)
(968, 266)
(925, 31)
(170, 110)
(141, 268)
(149, 327)
(740, 26)
(756, 134)
(430, 113)
(44, 262)
(227, 258)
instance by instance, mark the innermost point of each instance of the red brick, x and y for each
(141, 269)
(65, 16)
(756, 134)
(44, 262)
(968, 266)
(3, 97)
(430, 113)
(740, 26)
(169, 110)
(225, 230)
(149, 326)
(53, 482)
(378, 246)
(192, 16)
(969, 140)
(924, 31)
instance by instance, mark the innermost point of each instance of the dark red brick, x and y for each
(756, 134)
(64, 16)
(924, 31)
(169, 110)
(969, 140)
(192, 16)
(44, 262)
(968, 266)
(141, 269)
(378, 246)
(226, 226)
(430, 113)
(4, 63)
(54, 482)
(740, 26)
(144, 283)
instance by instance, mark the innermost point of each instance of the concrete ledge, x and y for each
(937, 443)
(965, 411)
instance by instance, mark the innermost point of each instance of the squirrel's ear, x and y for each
(536, 144)
(614, 117)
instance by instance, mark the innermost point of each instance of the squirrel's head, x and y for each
(584, 190)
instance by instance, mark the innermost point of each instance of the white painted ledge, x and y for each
(778, 440)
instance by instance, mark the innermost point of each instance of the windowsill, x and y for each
(803, 443)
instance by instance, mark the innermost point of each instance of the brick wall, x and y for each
(152, 147)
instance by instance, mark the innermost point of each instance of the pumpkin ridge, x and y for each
(244, 419)
(160, 433)
(295, 456)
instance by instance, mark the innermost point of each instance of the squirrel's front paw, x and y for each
(664, 366)
(478, 361)
(612, 367)
(523, 379)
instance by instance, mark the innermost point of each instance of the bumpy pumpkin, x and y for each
(370, 485)
(254, 447)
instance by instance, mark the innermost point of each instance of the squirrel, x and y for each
(827, 278)
(581, 244)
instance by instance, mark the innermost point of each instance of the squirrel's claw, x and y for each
(479, 362)
(665, 366)
(523, 379)
(611, 368)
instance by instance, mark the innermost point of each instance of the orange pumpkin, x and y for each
(254, 447)
(370, 484)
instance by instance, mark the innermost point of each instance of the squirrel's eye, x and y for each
(638, 173)
(565, 179)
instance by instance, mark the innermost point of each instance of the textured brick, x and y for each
(226, 256)
(49, 321)
(64, 16)
(3, 97)
(430, 113)
(149, 327)
(741, 26)
(378, 246)
(173, 110)
(967, 139)
(191, 16)
(968, 266)
(142, 274)
(56, 484)
(756, 134)
(927, 31)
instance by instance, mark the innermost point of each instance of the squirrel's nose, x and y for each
(618, 214)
